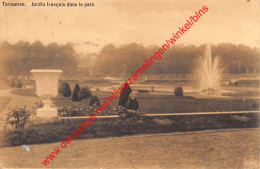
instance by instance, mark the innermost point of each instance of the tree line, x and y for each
(180, 59)
(20, 58)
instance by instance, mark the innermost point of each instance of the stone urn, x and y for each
(46, 88)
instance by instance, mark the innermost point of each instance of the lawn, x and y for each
(156, 103)
(173, 104)
(150, 103)
(233, 149)
(107, 145)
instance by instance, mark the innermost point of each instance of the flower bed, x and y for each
(82, 110)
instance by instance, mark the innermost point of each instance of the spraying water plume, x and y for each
(209, 72)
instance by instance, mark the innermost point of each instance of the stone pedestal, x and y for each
(46, 87)
(47, 111)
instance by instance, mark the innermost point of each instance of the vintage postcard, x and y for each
(129, 84)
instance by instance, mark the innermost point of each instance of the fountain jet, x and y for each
(209, 72)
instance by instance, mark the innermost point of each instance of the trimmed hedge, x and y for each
(65, 90)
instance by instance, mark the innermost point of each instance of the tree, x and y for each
(65, 90)
(178, 60)
(75, 94)
(20, 58)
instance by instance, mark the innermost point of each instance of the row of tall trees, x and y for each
(179, 59)
(20, 58)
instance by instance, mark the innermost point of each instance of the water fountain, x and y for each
(210, 73)
(46, 87)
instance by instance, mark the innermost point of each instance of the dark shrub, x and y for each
(124, 96)
(84, 93)
(18, 117)
(65, 90)
(19, 84)
(178, 91)
(94, 100)
(143, 91)
(61, 88)
(16, 83)
(75, 94)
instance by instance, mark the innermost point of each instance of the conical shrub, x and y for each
(124, 96)
(75, 94)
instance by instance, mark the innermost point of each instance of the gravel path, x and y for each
(17, 100)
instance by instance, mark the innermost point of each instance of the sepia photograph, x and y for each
(129, 84)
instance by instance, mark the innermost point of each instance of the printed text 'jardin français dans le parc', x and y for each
(48, 4)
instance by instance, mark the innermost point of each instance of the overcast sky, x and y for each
(125, 21)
